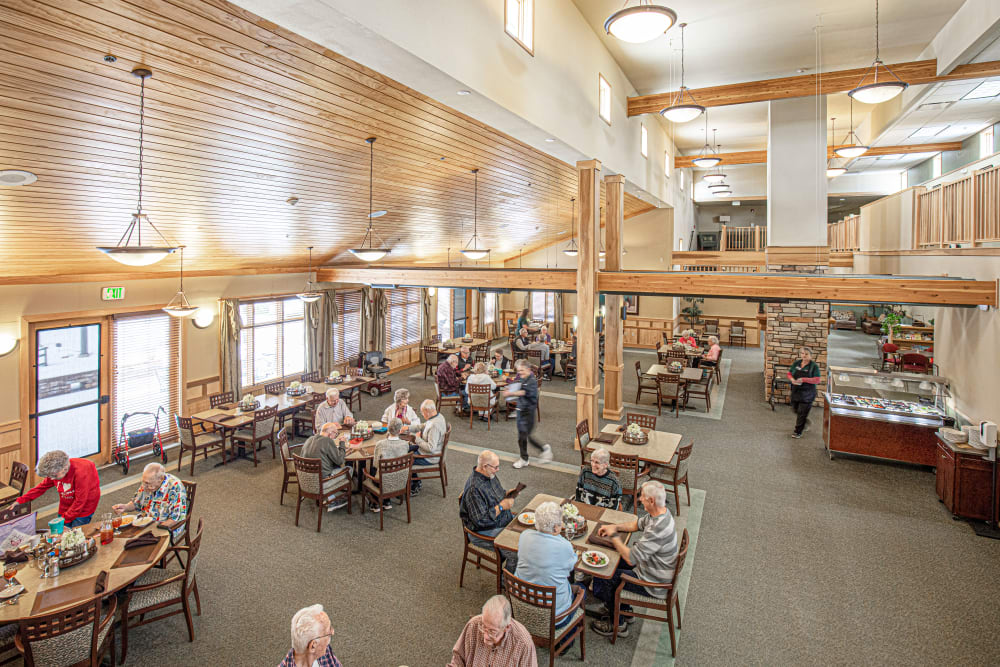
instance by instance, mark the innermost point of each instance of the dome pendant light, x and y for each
(571, 250)
(878, 91)
(371, 253)
(706, 159)
(680, 111)
(179, 306)
(475, 252)
(856, 149)
(641, 23)
(833, 169)
(139, 254)
(310, 295)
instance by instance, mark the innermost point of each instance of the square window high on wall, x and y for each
(936, 166)
(643, 141)
(604, 99)
(519, 22)
(666, 164)
(986, 143)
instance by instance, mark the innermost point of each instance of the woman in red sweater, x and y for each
(76, 481)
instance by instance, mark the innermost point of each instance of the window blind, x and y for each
(347, 329)
(403, 317)
(272, 340)
(145, 372)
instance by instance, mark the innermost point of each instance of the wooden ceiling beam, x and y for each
(917, 72)
(760, 157)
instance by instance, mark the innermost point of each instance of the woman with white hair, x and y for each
(401, 410)
(688, 338)
(714, 350)
(480, 376)
(546, 558)
(598, 485)
(311, 635)
(76, 481)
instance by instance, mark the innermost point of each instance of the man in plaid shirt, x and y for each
(311, 635)
(483, 505)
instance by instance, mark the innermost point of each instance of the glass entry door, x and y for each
(461, 315)
(68, 391)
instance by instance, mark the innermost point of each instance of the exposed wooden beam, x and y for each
(760, 157)
(921, 71)
(555, 280)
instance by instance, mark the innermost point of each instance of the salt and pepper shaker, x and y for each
(54, 566)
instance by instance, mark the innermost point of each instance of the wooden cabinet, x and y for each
(945, 479)
(963, 483)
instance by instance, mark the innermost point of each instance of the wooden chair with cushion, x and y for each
(890, 357)
(481, 353)
(711, 328)
(670, 390)
(534, 358)
(8, 644)
(430, 360)
(484, 558)
(353, 396)
(662, 357)
(646, 383)
(433, 470)
(222, 398)
(675, 474)
(644, 421)
(481, 401)
(288, 473)
(275, 388)
(912, 362)
(307, 415)
(159, 589)
(679, 355)
(480, 334)
(441, 401)
(18, 476)
(626, 466)
(261, 429)
(737, 333)
(534, 606)
(583, 435)
(311, 376)
(202, 442)
(715, 365)
(324, 490)
(79, 635)
(700, 388)
(645, 601)
(12, 512)
(393, 481)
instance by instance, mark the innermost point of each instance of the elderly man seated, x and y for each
(522, 341)
(449, 383)
(311, 636)
(465, 360)
(391, 448)
(598, 485)
(494, 638)
(543, 348)
(500, 362)
(331, 453)
(651, 558)
(484, 506)
(402, 410)
(545, 558)
(428, 440)
(160, 495)
(333, 410)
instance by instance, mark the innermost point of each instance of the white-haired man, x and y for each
(484, 505)
(160, 495)
(311, 635)
(651, 558)
(544, 558)
(465, 360)
(449, 382)
(333, 410)
(494, 638)
(429, 438)
(332, 455)
(522, 341)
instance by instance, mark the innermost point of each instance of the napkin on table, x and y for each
(142, 541)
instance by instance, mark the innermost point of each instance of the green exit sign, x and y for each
(112, 293)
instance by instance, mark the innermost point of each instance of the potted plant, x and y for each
(692, 312)
(890, 325)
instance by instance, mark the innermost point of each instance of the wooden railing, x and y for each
(842, 236)
(742, 238)
(743, 261)
(965, 211)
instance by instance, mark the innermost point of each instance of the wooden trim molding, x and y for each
(797, 255)
(760, 156)
(552, 280)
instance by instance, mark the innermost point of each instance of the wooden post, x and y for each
(587, 304)
(614, 365)
(723, 239)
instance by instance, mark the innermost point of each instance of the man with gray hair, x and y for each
(75, 480)
(429, 439)
(494, 638)
(651, 558)
(448, 381)
(160, 495)
(311, 635)
(598, 484)
(331, 453)
(484, 505)
(544, 558)
(333, 410)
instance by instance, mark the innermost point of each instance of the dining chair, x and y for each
(626, 467)
(534, 358)
(700, 388)
(393, 481)
(12, 512)
(261, 429)
(481, 401)
(482, 557)
(583, 435)
(890, 358)
(430, 360)
(436, 338)
(913, 362)
(670, 389)
(324, 491)
(79, 635)
(662, 357)
(646, 383)
(353, 396)
(481, 353)
(222, 398)
(534, 606)
(644, 421)
(275, 388)
(679, 355)
(18, 476)
(437, 470)
(202, 442)
(674, 474)
(288, 466)
(306, 416)
(711, 328)
(159, 589)
(8, 645)
(715, 365)
(646, 601)
(443, 401)
(737, 333)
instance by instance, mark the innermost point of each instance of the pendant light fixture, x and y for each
(641, 23)
(139, 254)
(179, 306)
(475, 252)
(833, 169)
(680, 111)
(878, 91)
(707, 158)
(571, 250)
(371, 253)
(310, 295)
(716, 178)
(855, 149)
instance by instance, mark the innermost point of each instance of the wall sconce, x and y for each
(8, 343)
(203, 318)
(431, 291)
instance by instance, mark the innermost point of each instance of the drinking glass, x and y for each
(116, 522)
(9, 572)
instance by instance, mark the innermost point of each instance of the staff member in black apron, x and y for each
(804, 376)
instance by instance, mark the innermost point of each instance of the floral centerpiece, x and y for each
(334, 377)
(296, 389)
(75, 547)
(248, 402)
(362, 429)
(634, 435)
(574, 524)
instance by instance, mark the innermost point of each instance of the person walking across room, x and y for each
(527, 405)
(804, 376)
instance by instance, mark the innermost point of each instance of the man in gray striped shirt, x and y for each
(651, 558)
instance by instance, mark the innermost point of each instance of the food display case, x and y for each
(886, 415)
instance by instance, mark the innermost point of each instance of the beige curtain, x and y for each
(229, 346)
(379, 311)
(328, 319)
(367, 320)
(425, 323)
(481, 311)
(557, 326)
(313, 316)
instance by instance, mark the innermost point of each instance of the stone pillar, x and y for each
(587, 304)
(613, 332)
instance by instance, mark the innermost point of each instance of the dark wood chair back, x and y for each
(626, 467)
(644, 421)
(436, 338)
(915, 363)
(437, 470)
(309, 473)
(44, 641)
(534, 606)
(670, 386)
(479, 396)
(311, 376)
(223, 397)
(190, 489)
(275, 388)
(484, 558)
(356, 371)
(14, 511)
(263, 423)
(18, 476)
(583, 435)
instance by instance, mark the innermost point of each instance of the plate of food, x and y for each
(142, 521)
(127, 519)
(595, 559)
(527, 518)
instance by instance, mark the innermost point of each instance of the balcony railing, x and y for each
(966, 211)
(842, 236)
(742, 239)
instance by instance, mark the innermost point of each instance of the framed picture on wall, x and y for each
(631, 304)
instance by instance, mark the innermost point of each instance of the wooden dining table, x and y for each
(454, 349)
(231, 417)
(7, 493)
(658, 451)
(687, 373)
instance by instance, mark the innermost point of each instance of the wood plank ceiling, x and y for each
(240, 115)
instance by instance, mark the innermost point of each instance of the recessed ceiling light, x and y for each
(985, 89)
(549, 140)
(464, 92)
(10, 178)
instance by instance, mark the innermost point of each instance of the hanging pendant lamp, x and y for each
(139, 254)
(855, 149)
(310, 295)
(832, 168)
(680, 111)
(641, 23)
(475, 252)
(878, 91)
(707, 158)
(571, 250)
(371, 253)
(179, 306)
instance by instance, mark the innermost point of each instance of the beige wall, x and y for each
(887, 224)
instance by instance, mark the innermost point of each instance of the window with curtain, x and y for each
(543, 306)
(444, 313)
(402, 322)
(347, 329)
(272, 340)
(145, 372)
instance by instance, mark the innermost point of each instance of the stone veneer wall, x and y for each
(790, 326)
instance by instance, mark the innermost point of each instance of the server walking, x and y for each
(527, 405)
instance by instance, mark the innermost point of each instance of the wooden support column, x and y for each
(614, 365)
(587, 228)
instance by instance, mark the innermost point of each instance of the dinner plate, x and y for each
(604, 560)
(143, 521)
(526, 518)
(11, 592)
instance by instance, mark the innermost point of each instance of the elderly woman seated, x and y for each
(598, 485)
(688, 338)
(480, 376)
(546, 558)
(714, 350)
(401, 410)
(160, 495)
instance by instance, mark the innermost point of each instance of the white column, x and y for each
(796, 172)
